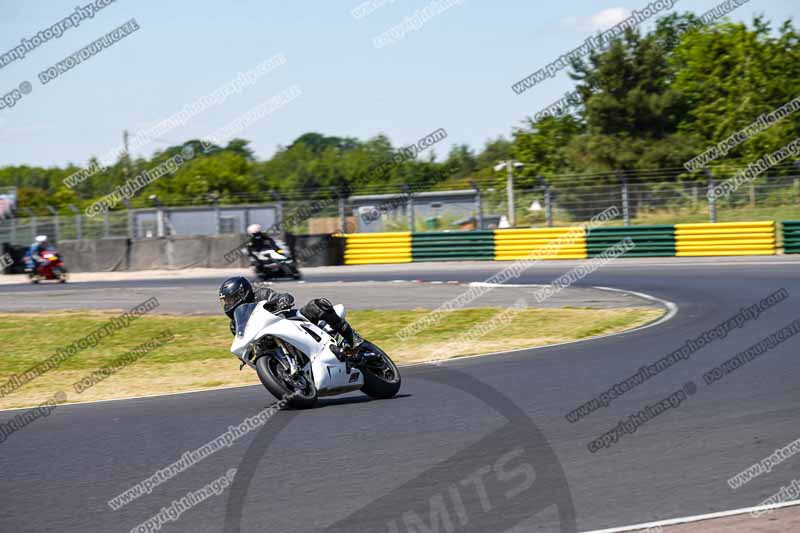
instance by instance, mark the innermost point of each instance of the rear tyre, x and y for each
(381, 376)
(299, 393)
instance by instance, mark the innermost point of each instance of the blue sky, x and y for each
(454, 72)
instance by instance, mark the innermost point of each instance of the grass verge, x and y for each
(198, 357)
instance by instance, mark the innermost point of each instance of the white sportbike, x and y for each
(299, 361)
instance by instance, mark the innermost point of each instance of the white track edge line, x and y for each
(672, 310)
(695, 518)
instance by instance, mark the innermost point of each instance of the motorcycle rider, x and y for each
(33, 257)
(237, 291)
(259, 240)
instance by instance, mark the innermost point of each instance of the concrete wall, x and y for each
(175, 253)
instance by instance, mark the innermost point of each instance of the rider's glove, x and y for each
(285, 301)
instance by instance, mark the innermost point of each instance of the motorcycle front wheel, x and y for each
(299, 392)
(381, 376)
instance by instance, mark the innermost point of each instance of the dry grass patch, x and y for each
(198, 357)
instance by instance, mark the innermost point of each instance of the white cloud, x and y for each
(601, 21)
(608, 18)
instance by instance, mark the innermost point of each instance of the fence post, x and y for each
(752, 193)
(14, 230)
(128, 219)
(548, 201)
(512, 212)
(342, 214)
(55, 221)
(159, 221)
(712, 199)
(409, 206)
(106, 225)
(478, 205)
(276, 197)
(78, 221)
(797, 180)
(32, 218)
(626, 208)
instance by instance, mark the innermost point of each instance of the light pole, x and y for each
(509, 165)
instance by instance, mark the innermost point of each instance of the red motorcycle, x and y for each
(51, 269)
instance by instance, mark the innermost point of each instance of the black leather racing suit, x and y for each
(315, 310)
(260, 241)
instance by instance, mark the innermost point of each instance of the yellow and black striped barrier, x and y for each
(681, 240)
(725, 238)
(544, 243)
(377, 248)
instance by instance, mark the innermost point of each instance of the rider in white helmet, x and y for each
(259, 240)
(34, 255)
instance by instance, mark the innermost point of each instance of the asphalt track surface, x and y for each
(481, 442)
(197, 299)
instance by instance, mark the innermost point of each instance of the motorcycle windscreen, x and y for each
(241, 316)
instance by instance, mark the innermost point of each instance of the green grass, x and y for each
(199, 357)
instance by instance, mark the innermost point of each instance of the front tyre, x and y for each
(381, 376)
(299, 392)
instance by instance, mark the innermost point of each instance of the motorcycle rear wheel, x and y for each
(381, 376)
(276, 380)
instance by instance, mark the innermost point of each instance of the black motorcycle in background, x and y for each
(273, 264)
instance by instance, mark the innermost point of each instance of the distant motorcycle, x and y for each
(298, 361)
(271, 264)
(51, 269)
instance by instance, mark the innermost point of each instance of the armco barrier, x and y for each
(533, 244)
(375, 248)
(791, 237)
(727, 238)
(453, 246)
(649, 241)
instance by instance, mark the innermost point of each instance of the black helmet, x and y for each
(233, 293)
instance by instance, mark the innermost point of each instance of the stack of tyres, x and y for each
(648, 241)
(725, 239)
(535, 244)
(453, 246)
(791, 237)
(377, 248)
